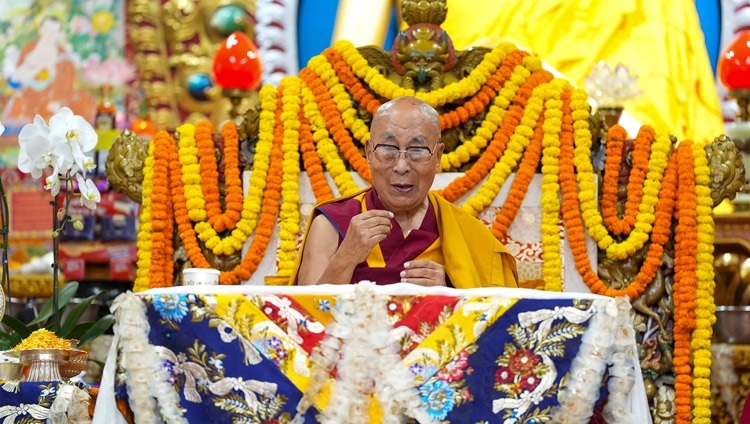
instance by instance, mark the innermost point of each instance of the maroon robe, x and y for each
(396, 248)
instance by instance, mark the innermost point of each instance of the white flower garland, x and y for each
(369, 364)
(608, 339)
(143, 367)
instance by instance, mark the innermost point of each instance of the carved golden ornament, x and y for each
(124, 166)
(174, 44)
(424, 12)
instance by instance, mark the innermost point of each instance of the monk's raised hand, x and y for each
(423, 273)
(365, 231)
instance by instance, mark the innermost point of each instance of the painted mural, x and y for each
(56, 54)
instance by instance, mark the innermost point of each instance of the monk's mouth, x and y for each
(403, 188)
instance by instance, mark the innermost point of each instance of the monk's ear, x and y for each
(368, 148)
(439, 153)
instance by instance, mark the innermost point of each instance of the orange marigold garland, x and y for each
(573, 139)
(640, 163)
(209, 173)
(161, 271)
(526, 170)
(335, 124)
(685, 283)
(312, 163)
(233, 181)
(461, 185)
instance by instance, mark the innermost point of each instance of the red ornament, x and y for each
(237, 64)
(734, 63)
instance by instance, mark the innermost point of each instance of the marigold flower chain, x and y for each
(552, 268)
(161, 270)
(635, 187)
(515, 148)
(335, 124)
(489, 158)
(705, 306)
(612, 164)
(685, 284)
(145, 235)
(233, 181)
(509, 80)
(290, 216)
(191, 174)
(326, 148)
(209, 172)
(574, 155)
(385, 88)
(520, 185)
(312, 163)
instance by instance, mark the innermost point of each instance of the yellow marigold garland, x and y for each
(290, 215)
(587, 183)
(191, 173)
(513, 153)
(552, 268)
(517, 75)
(327, 150)
(386, 88)
(145, 235)
(321, 66)
(705, 306)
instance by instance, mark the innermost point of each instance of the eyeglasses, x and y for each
(388, 153)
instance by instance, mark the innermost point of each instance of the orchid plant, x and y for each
(58, 152)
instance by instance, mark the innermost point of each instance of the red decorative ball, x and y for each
(734, 63)
(236, 63)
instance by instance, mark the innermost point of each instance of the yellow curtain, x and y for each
(660, 41)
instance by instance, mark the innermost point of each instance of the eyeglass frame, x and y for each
(404, 151)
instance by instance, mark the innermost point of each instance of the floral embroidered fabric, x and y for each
(236, 357)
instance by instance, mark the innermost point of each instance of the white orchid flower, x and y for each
(74, 134)
(89, 193)
(2, 128)
(36, 149)
(89, 165)
(52, 183)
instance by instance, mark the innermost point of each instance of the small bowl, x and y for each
(732, 324)
(200, 277)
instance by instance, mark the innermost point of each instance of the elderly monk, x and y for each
(397, 230)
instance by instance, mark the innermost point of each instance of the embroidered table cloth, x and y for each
(248, 354)
(43, 402)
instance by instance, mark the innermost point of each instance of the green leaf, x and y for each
(64, 295)
(79, 330)
(75, 315)
(97, 329)
(17, 326)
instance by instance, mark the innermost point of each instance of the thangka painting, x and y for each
(58, 54)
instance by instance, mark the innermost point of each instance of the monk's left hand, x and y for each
(423, 273)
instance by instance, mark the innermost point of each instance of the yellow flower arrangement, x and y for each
(552, 268)
(508, 162)
(358, 127)
(327, 150)
(143, 240)
(705, 311)
(472, 146)
(191, 173)
(290, 216)
(587, 194)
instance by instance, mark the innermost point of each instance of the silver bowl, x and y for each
(11, 371)
(732, 324)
